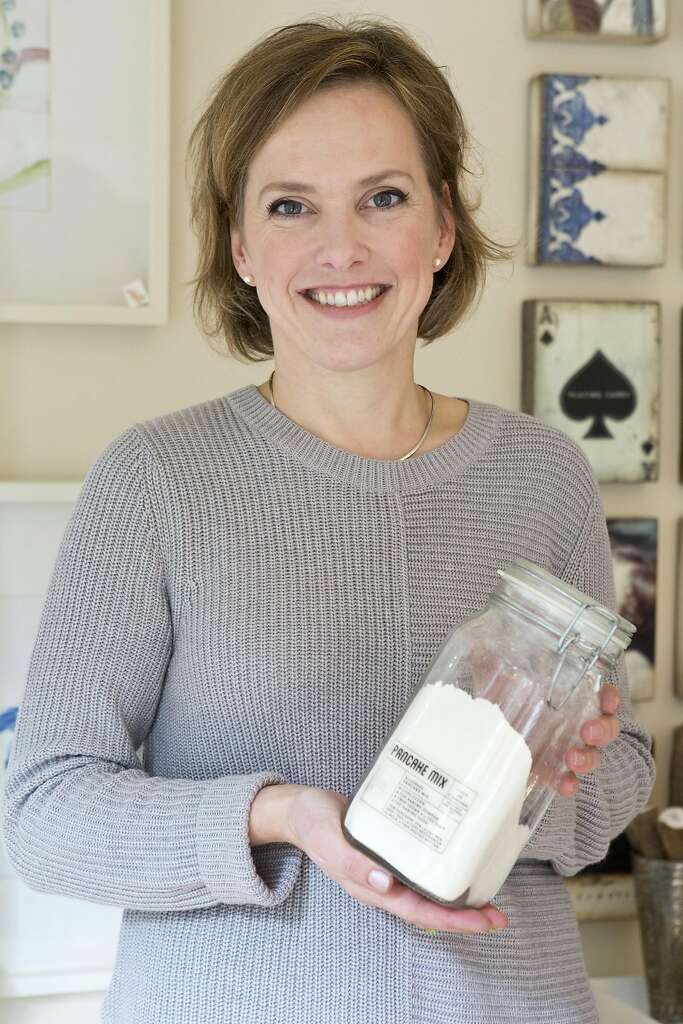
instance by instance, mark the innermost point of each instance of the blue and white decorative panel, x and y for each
(592, 369)
(598, 160)
(598, 21)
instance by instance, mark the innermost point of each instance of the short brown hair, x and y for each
(255, 95)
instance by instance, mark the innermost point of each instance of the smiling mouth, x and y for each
(376, 292)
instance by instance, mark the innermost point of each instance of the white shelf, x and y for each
(20, 491)
(19, 986)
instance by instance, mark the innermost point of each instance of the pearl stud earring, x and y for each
(247, 278)
(437, 262)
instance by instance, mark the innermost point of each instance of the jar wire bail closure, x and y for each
(563, 647)
(568, 637)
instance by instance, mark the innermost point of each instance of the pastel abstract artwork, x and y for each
(24, 105)
(598, 21)
(598, 161)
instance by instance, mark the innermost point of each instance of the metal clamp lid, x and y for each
(565, 642)
(523, 573)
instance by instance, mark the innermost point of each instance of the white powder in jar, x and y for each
(443, 801)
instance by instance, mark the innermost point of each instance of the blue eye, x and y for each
(272, 208)
(401, 196)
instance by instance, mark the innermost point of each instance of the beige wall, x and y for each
(65, 391)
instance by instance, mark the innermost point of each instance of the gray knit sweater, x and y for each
(236, 603)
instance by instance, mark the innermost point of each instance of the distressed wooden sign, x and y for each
(598, 21)
(598, 160)
(592, 369)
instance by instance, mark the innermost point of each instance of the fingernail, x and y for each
(591, 733)
(379, 880)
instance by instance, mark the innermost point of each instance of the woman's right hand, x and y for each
(315, 826)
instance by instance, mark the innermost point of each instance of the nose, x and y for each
(342, 243)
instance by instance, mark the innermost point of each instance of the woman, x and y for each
(254, 585)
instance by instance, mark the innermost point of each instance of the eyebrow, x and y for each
(300, 186)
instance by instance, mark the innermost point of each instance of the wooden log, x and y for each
(670, 829)
(643, 835)
(676, 769)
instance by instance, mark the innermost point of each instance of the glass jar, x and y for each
(475, 760)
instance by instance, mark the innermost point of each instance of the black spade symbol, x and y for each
(647, 446)
(598, 390)
(546, 337)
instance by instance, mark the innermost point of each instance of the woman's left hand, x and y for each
(597, 732)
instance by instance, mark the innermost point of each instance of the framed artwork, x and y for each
(680, 449)
(84, 165)
(605, 891)
(597, 170)
(678, 675)
(592, 369)
(633, 542)
(48, 943)
(598, 21)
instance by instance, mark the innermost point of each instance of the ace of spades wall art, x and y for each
(592, 369)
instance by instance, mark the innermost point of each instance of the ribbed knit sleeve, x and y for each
(80, 815)
(576, 831)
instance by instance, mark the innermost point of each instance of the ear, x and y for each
(448, 231)
(239, 256)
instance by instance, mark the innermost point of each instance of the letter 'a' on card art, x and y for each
(598, 21)
(592, 369)
(597, 170)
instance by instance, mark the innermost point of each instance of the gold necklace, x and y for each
(412, 450)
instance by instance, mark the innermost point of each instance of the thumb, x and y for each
(364, 871)
(376, 877)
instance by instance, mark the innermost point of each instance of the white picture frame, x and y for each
(103, 235)
(48, 943)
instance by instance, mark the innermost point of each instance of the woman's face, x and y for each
(332, 230)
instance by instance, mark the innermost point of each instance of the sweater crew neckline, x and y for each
(384, 476)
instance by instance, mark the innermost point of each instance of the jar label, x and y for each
(418, 796)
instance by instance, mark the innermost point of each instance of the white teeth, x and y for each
(352, 298)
